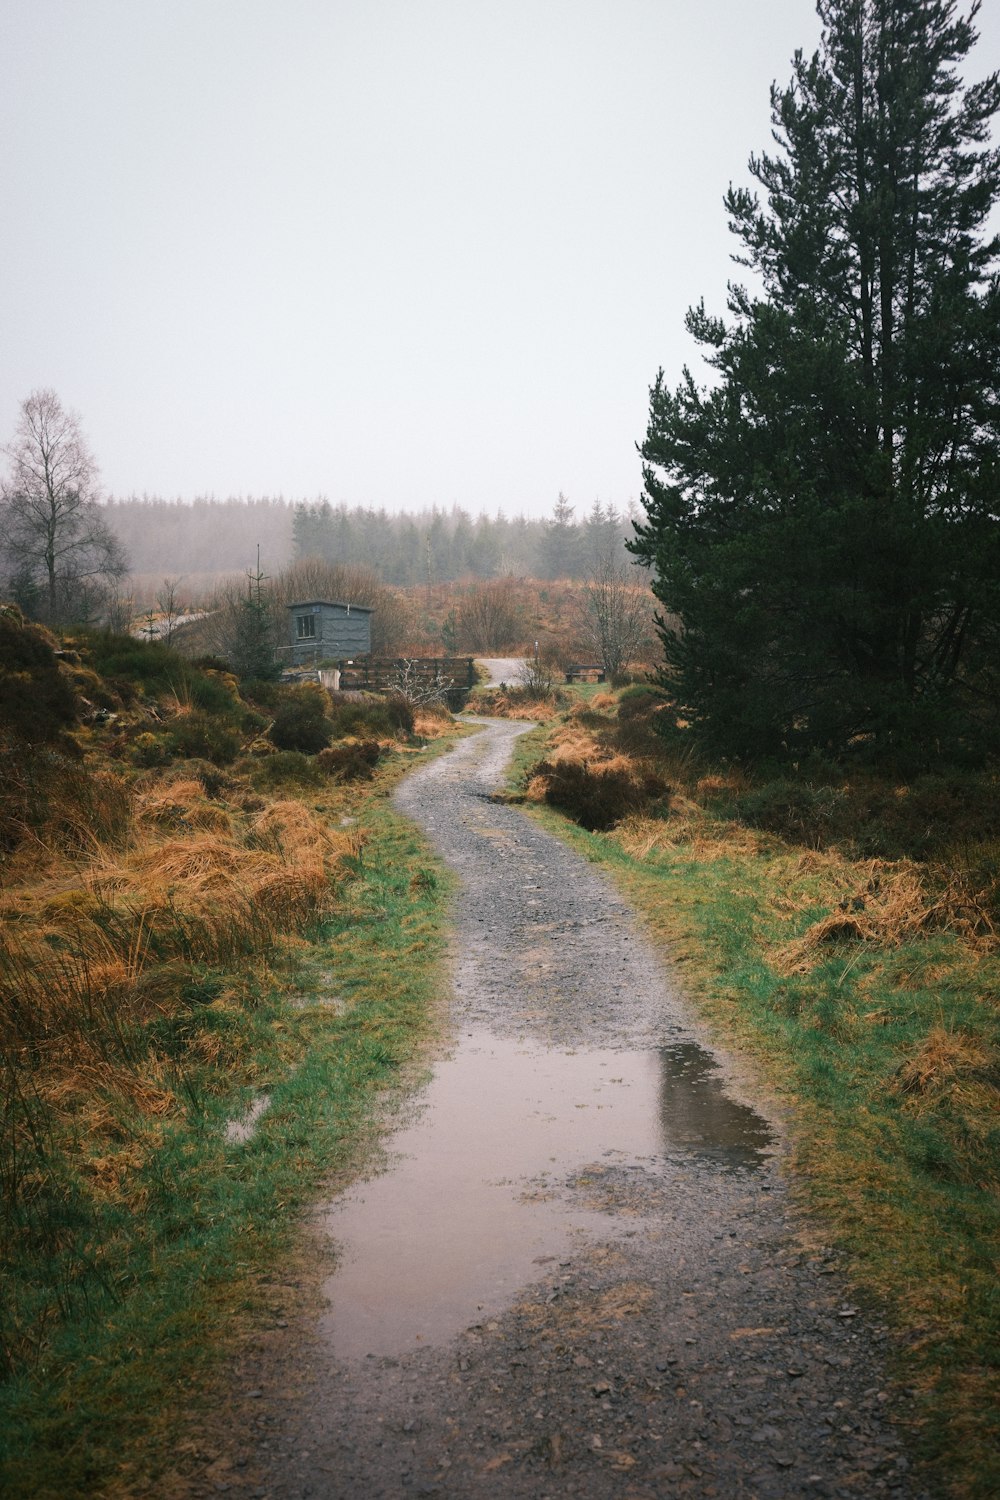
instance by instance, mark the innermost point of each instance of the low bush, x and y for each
(133, 668)
(301, 719)
(151, 750)
(37, 703)
(388, 717)
(640, 700)
(205, 737)
(285, 767)
(214, 693)
(870, 816)
(596, 794)
(354, 760)
(399, 712)
(133, 664)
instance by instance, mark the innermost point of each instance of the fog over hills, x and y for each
(207, 535)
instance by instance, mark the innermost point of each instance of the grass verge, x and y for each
(124, 1284)
(872, 1006)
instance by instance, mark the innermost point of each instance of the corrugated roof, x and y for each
(368, 609)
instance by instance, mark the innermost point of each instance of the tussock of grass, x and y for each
(515, 703)
(432, 721)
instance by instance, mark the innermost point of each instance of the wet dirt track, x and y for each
(580, 1275)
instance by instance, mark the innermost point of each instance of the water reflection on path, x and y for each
(476, 1193)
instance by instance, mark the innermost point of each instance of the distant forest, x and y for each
(176, 537)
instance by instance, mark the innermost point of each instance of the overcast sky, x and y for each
(397, 252)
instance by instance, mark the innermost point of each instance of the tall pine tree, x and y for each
(823, 518)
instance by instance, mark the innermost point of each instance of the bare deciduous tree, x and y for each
(61, 555)
(489, 617)
(539, 671)
(119, 609)
(170, 608)
(615, 612)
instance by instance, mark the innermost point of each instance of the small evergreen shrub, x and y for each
(596, 794)
(352, 761)
(300, 719)
(286, 767)
(205, 737)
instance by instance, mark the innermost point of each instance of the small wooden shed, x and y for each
(324, 628)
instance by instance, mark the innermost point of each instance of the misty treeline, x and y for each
(217, 577)
(432, 546)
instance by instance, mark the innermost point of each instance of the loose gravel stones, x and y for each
(684, 1344)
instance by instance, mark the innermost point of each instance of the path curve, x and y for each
(691, 1349)
(502, 669)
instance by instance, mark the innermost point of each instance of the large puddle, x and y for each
(475, 1196)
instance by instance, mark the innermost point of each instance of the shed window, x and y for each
(305, 627)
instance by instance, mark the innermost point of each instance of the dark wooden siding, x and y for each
(339, 632)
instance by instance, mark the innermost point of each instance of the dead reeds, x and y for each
(888, 903)
(107, 949)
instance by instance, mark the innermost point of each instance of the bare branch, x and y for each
(615, 613)
(60, 557)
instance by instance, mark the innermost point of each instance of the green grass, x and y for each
(160, 1273)
(887, 1057)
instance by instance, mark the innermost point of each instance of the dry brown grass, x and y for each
(168, 803)
(515, 703)
(945, 1058)
(103, 944)
(642, 837)
(432, 721)
(888, 903)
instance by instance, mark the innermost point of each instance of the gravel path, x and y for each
(502, 669)
(661, 1330)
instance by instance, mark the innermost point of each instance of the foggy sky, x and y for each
(396, 252)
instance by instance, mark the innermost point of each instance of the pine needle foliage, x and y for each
(822, 517)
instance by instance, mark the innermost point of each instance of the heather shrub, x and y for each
(596, 794)
(354, 760)
(285, 767)
(37, 703)
(870, 816)
(204, 737)
(301, 719)
(386, 717)
(640, 700)
(151, 750)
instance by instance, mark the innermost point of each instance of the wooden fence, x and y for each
(383, 673)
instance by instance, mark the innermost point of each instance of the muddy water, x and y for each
(474, 1203)
(553, 987)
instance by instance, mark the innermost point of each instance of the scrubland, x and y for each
(842, 925)
(194, 923)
